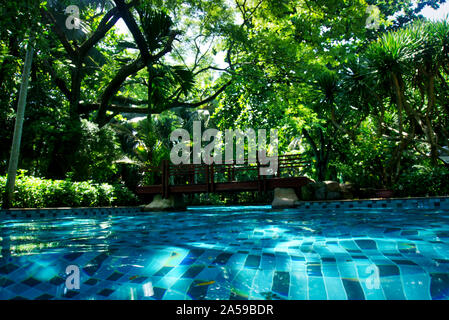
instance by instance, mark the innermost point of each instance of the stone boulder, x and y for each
(347, 191)
(173, 203)
(308, 192)
(333, 195)
(320, 191)
(327, 190)
(367, 193)
(332, 186)
(284, 198)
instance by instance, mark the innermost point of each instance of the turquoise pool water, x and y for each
(230, 253)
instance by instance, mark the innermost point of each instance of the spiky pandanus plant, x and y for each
(430, 61)
(359, 90)
(389, 59)
(412, 55)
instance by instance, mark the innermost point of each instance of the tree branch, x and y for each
(124, 101)
(60, 83)
(108, 21)
(212, 68)
(88, 107)
(122, 108)
(168, 46)
(115, 84)
(59, 33)
(202, 102)
(134, 29)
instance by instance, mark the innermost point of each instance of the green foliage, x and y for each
(365, 161)
(361, 111)
(243, 198)
(31, 192)
(394, 51)
(422, 181)
(362, 105)
(95, 159)
(155, 24)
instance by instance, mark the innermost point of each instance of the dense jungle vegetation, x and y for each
(360, 87)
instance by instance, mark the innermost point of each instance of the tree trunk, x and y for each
(400, 100)
(68, 143)
(321, 157)
(15, 149)
(431, 135)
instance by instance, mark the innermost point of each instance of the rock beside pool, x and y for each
(333, 196)
(308, 192)
(173, 203)
(332, 186)
(347, 191)
(314, 191)
(327, 190)
(284, 198)
(320, 191)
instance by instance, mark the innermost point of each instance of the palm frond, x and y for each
(156, 25)
(183, 77)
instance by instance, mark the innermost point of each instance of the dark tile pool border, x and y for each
(72, 212)
(394, 203)
(404, 203)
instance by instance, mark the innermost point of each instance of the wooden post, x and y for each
(207, 178)
(212, 178)
(191, 174)
(278, 173)
(259, 187)
(165, 178)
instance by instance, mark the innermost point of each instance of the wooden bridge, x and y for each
(192, 178)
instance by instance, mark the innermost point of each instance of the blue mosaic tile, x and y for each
(281, 283)
(353, 289)
(238, 253)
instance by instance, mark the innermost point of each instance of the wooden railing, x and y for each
(208, 176)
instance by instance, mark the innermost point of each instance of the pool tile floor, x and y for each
(233, 253)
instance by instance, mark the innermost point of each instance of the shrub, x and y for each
(31, 192)
(421, 181)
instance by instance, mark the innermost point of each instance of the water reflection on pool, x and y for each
(230, 253)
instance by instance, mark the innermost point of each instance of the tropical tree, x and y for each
(96, 56)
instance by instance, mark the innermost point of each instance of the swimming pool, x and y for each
(312, 252)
